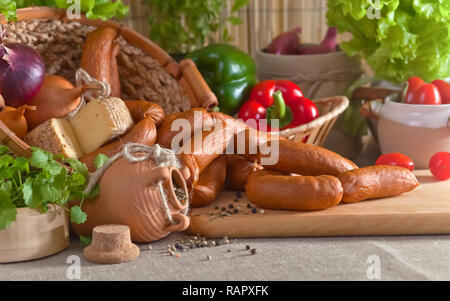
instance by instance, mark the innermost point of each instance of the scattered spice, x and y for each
(231, 206)
(235, 211)
(261, 211)
(235, 200)
(216, 207)
(247, 247)
(229, 212)
(249, 206)
(223, 208)
(228, 250)
(253, 251)
(209, 257)
(254, 210)
(178, 255)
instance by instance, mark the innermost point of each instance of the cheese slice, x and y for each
(55, 136)
(101, 121)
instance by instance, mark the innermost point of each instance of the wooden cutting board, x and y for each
(426, 210)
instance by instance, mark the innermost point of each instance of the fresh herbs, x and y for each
(41, 181)
(397, 38)
(94, 9)
(181, 26)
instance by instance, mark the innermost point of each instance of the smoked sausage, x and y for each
(376, 182)
(238, 171)
(99, 57)
(305, 159)
(210, 183)
(166, 134)
(302, 193)
(141, 109)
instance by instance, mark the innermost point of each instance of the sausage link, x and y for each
(144, 132)
(99, 57)
(210, 183)
(238, 171)
(307, 160)
(166, 134)
(293, 192)
(141, 109)
(376, 182)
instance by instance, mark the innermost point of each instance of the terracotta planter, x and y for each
(34, 235)
(130, 196)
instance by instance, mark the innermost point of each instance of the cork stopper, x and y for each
(111, 244)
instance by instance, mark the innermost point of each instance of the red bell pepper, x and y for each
(278, 99)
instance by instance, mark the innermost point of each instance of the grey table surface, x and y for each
(424, 257)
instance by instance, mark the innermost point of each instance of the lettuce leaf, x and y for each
(411, 37)
(94, 9)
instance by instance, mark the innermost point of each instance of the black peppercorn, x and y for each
(247, 247)
(254, 210)
(223, 208)
(235, 211)
(230, 206)
(253, 251)
(238, 194)
(229, 211)
(249, 206)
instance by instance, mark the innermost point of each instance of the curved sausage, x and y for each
(376, 182)
(305, 159)
(99, 57)
(293, 192)
(238, 171)
(166, 134)
(141, 109)
(210, 183)
(144, 132)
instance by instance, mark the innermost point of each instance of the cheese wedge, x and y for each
(55, 136)
(101, 121)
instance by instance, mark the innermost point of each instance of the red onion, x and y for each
(22, 72)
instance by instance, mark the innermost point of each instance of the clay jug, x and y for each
(151, 200)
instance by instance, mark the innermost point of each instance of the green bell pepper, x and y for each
(229, 72)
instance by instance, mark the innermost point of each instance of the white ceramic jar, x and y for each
(418, 131)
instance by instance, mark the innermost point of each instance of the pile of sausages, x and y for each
(305, 177)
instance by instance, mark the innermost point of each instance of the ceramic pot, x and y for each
(318, 75)
(418, 131)
(130, 195)
(34, 235)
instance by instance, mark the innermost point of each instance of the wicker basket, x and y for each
(146, 71)
(318, 129)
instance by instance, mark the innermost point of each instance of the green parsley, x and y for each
(40, 181)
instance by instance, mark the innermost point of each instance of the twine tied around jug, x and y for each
(134, 153)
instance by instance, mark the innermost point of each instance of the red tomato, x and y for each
(440, 165)
(396, 159)
(444, 90)
(428, 94)
(414, 83)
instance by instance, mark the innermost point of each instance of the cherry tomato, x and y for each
(444, 90)
(428, 94)
(440, 165)
(414, 83)
(396, 159)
